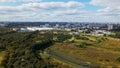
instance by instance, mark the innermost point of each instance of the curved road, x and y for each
(66, 61)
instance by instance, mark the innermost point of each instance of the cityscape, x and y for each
(59, 33)
(65, 25)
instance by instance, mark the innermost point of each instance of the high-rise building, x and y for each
(110, 26)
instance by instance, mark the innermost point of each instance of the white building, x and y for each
(101, 32)
(35, 28)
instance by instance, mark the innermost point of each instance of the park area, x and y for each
(95, 52)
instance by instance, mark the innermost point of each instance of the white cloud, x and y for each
(43, 11)
(73, 12)
(18, 0)
(110, 5)
(110, 10)
(54, 5)
(42, 6)
(70, 11)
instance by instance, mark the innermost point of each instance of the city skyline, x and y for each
(60, 10)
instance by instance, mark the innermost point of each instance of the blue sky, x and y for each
(60, 10)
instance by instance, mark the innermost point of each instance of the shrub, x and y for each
(118, 59)
(83, 45)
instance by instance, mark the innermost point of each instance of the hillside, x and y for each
(20, 50)
(58, 49)
(94, 52)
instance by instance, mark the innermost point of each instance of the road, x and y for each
(66, 61)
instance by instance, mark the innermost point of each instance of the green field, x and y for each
(100, 52)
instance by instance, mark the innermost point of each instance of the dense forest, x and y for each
(21, 49)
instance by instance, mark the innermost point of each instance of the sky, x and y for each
(60, 10)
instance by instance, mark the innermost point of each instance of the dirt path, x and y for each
(1, 58)
(66, 61)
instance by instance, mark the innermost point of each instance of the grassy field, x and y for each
(2, 55)
(100, 52)
(56, 62)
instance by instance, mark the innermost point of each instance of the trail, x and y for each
(66, 61)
